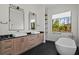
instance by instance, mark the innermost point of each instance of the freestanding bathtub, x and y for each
(66, 46)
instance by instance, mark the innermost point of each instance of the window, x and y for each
(61, 22)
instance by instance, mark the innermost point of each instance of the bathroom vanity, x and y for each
(18, 45)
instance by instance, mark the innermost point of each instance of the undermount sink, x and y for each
(35, 32)
(19, 34)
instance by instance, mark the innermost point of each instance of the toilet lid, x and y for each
(66, 42)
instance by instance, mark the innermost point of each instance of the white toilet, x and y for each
(66, 46)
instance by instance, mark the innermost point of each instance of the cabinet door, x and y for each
(25, 43)
(5, 43)
(41, 36)
(38, 39)
(8, 51)
(17, 46)
(6, 46)
(31, 39)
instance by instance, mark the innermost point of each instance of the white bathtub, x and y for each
(66, 46)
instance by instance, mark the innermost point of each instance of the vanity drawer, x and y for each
(30, 37)
(7, 51)
(7, 42)
(25, 43)
(33, 41)
(17, 46)
(6, 47)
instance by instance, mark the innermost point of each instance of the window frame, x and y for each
(70, 22)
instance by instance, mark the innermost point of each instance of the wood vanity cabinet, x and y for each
(25, 42)
(31, 40)
(19, 45)
(41, 37)
(6, 47)
(34, 40)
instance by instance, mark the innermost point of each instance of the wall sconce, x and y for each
(17, 7)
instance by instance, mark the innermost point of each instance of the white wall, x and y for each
(55, 9)
(4, 16)
(38, 9)
(78, 27)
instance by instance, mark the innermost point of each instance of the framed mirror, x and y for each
(32, 21)
(16, 18)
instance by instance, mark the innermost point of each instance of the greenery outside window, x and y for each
(61, 22)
